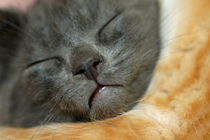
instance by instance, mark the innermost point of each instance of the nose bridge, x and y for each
(80, 55)
(84, 61)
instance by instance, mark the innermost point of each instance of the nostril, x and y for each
(87, 67)
(79, 71)
(96, 63)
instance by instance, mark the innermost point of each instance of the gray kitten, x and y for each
(76, 60)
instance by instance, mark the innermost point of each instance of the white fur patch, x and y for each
(169, 22)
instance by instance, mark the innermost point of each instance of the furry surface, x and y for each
(177, 105)
(67, 64)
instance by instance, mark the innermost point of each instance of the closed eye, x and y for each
(106, 24)
(43, 60)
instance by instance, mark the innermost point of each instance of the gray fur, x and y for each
(39, 84)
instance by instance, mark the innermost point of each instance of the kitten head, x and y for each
(91, 59)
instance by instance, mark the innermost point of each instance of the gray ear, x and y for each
(11, 26)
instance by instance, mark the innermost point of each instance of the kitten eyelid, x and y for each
(46, 59)
(107, 23)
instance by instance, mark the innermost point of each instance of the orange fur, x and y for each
(176, 106)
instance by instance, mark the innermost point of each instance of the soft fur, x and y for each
(177, 105)
(76, 60)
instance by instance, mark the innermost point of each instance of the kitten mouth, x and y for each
(97, 91)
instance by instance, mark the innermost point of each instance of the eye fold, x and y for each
(59, 59)
(110, 32)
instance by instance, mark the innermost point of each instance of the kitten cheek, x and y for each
(38, 85)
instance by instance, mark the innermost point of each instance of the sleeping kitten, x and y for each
(76, 60)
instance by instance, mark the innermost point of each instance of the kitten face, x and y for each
(90, 59)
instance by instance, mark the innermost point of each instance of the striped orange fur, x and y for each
(177, 104)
